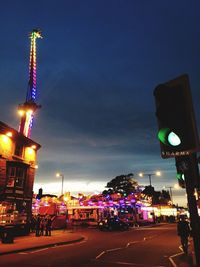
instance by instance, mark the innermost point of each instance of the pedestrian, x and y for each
(48, 225)
(37, 225)
(32, 224)
(183, 230)
(42, 226)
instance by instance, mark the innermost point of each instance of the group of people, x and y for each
(41, 225)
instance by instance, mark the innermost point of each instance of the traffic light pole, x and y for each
(178, 136)
(190, 177)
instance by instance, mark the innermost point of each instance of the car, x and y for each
(112, 223)
(130, 221)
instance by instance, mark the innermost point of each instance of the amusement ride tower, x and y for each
(28, 109)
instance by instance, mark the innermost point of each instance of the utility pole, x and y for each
(191, 173)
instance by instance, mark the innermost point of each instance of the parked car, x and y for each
(112, 224)
(130, 221)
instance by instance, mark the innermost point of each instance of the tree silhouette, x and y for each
(157, 197)
(123, 184)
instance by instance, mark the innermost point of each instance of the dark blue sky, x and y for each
(98, 64)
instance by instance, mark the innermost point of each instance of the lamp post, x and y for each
(62, 176)
(149, 175)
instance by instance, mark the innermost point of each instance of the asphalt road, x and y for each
(138, 247)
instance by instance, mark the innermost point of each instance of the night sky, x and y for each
(98, 64)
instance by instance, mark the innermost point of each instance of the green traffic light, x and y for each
(173, 139)
(162, 135)
(168, 137)
(180, 176)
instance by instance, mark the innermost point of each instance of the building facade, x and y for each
(18, 163)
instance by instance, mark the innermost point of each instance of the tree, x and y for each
(157, 197)
(123, 184)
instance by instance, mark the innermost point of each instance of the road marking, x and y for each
(175, 255)
(126, 246)
(54, 246)
(35, 251)
(171, 258)
(113, 249)
(97, 257)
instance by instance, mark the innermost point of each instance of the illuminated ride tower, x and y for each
(28, 109)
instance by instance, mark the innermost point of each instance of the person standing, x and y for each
(183, 230)
(48, 225)
(42, 226)
(37, 225)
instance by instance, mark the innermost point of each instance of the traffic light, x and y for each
(177, 131)
(181, 180)
(181, 166)
(188, 166)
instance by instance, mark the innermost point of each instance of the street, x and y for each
(142, 247)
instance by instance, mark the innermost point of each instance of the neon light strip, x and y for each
(32, 82)
(32, 66)
(29, 118)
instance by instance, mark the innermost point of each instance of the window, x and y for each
(12, 172)
(16, 176)
(20, 175)
(18, 150)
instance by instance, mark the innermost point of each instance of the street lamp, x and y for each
(158, 173)
(62, 176)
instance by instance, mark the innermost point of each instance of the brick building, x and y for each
(18, 162)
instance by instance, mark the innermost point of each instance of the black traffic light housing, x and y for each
(188, 166)
(177, 131)
(181, 165)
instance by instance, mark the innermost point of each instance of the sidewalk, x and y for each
(25, 243)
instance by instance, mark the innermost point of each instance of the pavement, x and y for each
(63, 237)
(32, 242)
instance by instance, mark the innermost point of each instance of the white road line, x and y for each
(126, 246)
(35, 251)
(113, 249)
(175, 255)
(171, 258)
(97, 257)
